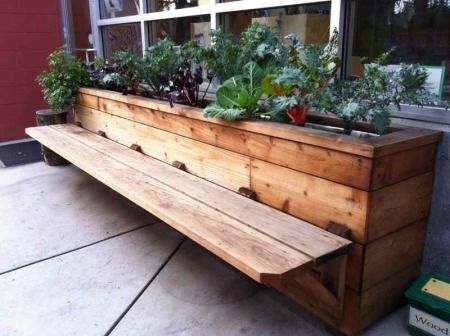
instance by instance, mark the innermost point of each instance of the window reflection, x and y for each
(310, 22)
(419, 29)
(182, 30)
(122, 37)
(118, 8)
(168, 5)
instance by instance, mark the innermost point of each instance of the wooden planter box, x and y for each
(379, 187)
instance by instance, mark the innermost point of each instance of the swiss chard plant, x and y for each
(297, 87)
(186, 82)
(61, 82)
(238, 97)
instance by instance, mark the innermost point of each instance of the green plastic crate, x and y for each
(429, 306)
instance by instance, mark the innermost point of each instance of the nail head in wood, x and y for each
(339, 230)
(101, 133)
(136, 148)
(179, 165)
(246, 192)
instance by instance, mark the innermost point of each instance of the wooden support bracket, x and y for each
(101, 133)
(246, 192)
(136, 148)
(339, 230)
(179, 165)
(320, 289)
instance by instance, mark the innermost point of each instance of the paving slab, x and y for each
(45, 211)
(83, 292)
(197, 294)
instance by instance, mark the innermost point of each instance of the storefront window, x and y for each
(419, 29)
(167, 5)
(122, 37)
(182, 30)
(118, 8)
(310, 22)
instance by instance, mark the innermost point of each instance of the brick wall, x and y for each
(29, 31)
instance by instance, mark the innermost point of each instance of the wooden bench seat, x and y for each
(268, 245)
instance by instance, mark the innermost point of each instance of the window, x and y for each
(136, 24)
(419, 29)
(310, 22)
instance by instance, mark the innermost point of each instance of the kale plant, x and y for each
(221, 58)
(369, 98)
(259, 43)
(61, 82)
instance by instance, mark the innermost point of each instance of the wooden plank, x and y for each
(400, 166)
(255, 254)
(387, 256)
(310, 198)
(88, 100)
(290, 132)
(293, 232)
(340, 167)
(217, 165)
(355, 266)
(381, 299)
(406, 139)
(398, 205)
(403, 139)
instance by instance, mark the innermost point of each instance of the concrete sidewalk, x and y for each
(76, 258)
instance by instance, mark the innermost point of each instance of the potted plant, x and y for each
(59, 84)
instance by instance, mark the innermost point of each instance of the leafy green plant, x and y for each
(186, 82)
(238, 97)
(299, 86)
(160, 64)
(128, 68)
(61, 82)
(369, 97)
(259, 43)
(221, 58)
(319, 62)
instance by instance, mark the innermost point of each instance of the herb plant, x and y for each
(61, 82)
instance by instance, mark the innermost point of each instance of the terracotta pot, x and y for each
(51, 117)
(298, 114)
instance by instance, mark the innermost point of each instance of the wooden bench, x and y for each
(275, 249)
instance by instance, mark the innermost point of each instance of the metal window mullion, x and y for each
(120, 20)
(144, 37)
(178, 13)
(94, 10)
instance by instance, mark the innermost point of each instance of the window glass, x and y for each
(310, 22)
(182, 30)
(122, 37)
(419, 29)
(167, 5)
(118, 8)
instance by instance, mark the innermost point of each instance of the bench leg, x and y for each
(320, 289)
